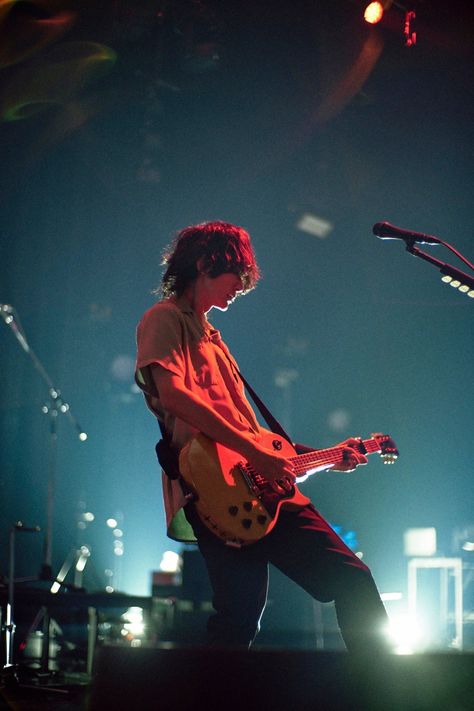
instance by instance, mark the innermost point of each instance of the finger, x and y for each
(349, 454)
(352, 459)
(290, 472)
(353, 442)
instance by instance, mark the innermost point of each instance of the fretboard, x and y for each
(325, 458)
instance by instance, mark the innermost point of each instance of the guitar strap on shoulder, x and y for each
(271, 421)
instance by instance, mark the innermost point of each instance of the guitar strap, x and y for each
(271, 421)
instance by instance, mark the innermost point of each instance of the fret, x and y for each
(327, 457)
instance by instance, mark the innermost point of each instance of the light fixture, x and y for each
(464, 284)
(314, 225)
(373, 12)
(406, 634)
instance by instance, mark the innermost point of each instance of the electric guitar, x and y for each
(237, 503)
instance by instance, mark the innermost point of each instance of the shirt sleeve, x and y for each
(160, 341)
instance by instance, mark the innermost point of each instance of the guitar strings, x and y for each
(303, 462)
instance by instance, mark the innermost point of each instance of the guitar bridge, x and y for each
(248, 478)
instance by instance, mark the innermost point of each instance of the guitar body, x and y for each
(237, 505)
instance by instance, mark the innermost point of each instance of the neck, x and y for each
(197, 303)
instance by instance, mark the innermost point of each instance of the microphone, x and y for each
(384, 230)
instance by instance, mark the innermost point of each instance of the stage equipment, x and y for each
(234, 679)
(419, 541)
(9, 667)
(451, 275)
(445, 566)
(55, 406)
(314, 225)
(373, 12)
(408, 31)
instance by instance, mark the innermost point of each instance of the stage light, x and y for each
(314, 225)
(459, 285)
(84, 554)
(419, 542)
(170, 562)
(409, 32)
(373, 13)
(111, 522)
(133, 625)
(406, 634)
(390, 596)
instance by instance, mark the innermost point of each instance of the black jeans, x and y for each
(306, 549)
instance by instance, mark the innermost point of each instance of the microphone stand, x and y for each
(54, 407)
(451, 275)
(10, 671)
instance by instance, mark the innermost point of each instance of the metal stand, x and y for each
(55, 406)
(9, 668)
(444, 565)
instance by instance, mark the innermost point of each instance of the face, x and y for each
(222, 290)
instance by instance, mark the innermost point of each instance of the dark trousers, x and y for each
(306, 549)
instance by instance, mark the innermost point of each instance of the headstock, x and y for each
(388, 448)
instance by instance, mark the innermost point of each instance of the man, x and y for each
(191, 384)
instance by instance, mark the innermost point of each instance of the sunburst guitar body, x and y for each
(237, 503)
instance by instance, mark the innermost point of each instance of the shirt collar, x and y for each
(183, 305)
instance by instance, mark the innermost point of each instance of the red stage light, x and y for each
(373, 13)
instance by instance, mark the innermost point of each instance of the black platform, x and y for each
(278, 680)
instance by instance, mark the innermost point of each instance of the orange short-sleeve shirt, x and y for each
(170, 335)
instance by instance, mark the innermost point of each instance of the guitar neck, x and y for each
(325, 458)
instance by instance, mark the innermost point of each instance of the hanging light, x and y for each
(373, 12)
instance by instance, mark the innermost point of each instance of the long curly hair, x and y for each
(219, 247)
